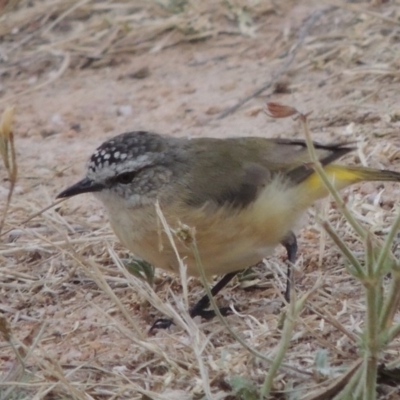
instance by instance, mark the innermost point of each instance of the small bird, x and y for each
(243, 196)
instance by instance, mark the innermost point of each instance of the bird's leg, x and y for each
(199, 309)
(290, 244)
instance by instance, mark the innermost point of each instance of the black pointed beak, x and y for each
(86, 185)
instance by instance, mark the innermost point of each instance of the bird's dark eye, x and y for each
(125, 178)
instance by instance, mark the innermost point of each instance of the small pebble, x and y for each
(124, 110)
(56, 119)
(14, 235)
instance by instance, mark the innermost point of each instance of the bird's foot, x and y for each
(165, 323)
(161, 323)
(210, 314)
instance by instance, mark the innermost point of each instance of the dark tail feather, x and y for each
(301, 173)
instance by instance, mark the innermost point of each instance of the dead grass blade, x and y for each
(7, 152)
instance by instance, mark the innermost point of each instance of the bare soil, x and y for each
(100, 71)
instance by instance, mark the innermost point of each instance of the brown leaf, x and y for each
(277, 110)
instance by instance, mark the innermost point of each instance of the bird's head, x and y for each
(132, 167)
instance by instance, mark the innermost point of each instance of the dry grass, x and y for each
(75, 323)
(62, 34)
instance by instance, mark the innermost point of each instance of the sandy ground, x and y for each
(345, 69)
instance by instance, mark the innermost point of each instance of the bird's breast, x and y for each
(226, 238)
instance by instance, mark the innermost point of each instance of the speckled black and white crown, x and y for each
(123, 152)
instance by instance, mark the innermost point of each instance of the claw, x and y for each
(161, 323)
